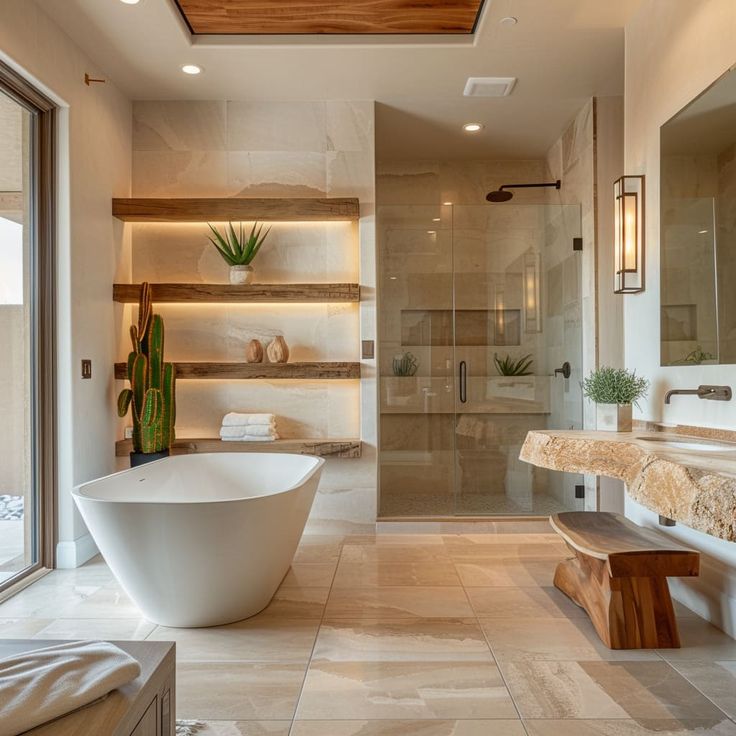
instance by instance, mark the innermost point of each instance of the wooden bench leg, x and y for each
(627, 613)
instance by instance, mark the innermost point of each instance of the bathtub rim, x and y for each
(78, 493)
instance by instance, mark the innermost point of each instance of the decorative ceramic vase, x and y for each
(614, 417)
(278, 350)
(241, 275)
(254, 352)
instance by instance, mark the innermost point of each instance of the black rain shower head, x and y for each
(503, 195)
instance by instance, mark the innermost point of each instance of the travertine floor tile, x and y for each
(318, 548)
(496, 571)
(408, 728)
(701, 640)
(605, 690)
(555, 639)
(716, 680)
(380, 573)
(297, 602)
(21, 628)
(100, 628)
(625, 727)
(372, 690)
(537, 602)
(395, 553)
(245, 728)
(109, 601)
(237, 690)
(397, 602)
(306, 575)
(512, 551)
(255, 639)
(432, 640)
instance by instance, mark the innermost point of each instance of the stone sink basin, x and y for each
(690, 445)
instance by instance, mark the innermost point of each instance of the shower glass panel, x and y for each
(466, 293)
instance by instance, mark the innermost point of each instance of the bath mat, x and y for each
(189, 728)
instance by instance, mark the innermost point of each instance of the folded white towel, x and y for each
(43, 684)
(270, 438)
(252, 430)
(237, 419)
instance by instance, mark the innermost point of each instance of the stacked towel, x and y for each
(44, 684)
(238, 427)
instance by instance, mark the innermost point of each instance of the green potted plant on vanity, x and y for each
(614, 391)
(151, 397)
(237, 250)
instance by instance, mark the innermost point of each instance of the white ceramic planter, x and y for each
(241, 274)
(614, 417)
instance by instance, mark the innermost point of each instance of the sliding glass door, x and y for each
(26, 331)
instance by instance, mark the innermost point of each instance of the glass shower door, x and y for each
(417, 366)
(517, 318)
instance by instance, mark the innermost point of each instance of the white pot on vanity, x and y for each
(614, 417)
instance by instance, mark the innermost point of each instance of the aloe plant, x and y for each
(151, 397)
(509, 367)
(235, 248)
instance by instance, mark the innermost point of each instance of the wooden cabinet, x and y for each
(144, 707)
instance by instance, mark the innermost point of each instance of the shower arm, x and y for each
(556, 184)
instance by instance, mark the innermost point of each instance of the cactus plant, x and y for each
(151, 397)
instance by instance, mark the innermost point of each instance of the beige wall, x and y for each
(674, 50)
(94, 166)
(266, 149)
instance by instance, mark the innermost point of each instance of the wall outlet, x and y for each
(86, 368)
(128, 433)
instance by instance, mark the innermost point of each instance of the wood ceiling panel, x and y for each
(262, 17)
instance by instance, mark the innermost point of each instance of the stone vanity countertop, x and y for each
(696, 487)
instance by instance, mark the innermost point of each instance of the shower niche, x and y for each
(469, 292)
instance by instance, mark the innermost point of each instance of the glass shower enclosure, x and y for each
(480, 309)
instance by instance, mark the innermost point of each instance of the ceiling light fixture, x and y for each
(447, 204)
(509, 20)
(191, 69)
(130, 2)
(472, 127)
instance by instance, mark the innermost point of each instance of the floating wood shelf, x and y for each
(259, 370)
(222, 209)
(246, 293)
(350, 448)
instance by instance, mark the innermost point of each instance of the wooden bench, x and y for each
(619, 576)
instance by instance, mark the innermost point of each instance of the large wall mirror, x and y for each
(698, 229)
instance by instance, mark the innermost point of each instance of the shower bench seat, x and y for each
(619, 576)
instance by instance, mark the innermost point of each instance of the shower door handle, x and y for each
(463, 382)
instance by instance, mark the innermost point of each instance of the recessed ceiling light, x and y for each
(431, 232)
(472, 127)
(447, 204)
(393, 278)
(436, 219)
(508, 20)
(130, 2)
(191, 69)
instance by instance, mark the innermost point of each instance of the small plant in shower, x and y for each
(614, 391)
(238, 249)
(509, 367)
(405, 364)
(151, 397)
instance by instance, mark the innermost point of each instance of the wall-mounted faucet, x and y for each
(712, 393)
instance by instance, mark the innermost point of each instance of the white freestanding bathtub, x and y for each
(202, 540)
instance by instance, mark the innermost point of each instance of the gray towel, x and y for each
(44, 684)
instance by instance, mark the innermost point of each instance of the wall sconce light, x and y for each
(628, 247)
(531, 284)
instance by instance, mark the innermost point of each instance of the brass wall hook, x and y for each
(88, 80)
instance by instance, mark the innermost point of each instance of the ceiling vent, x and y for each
(489, 86)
